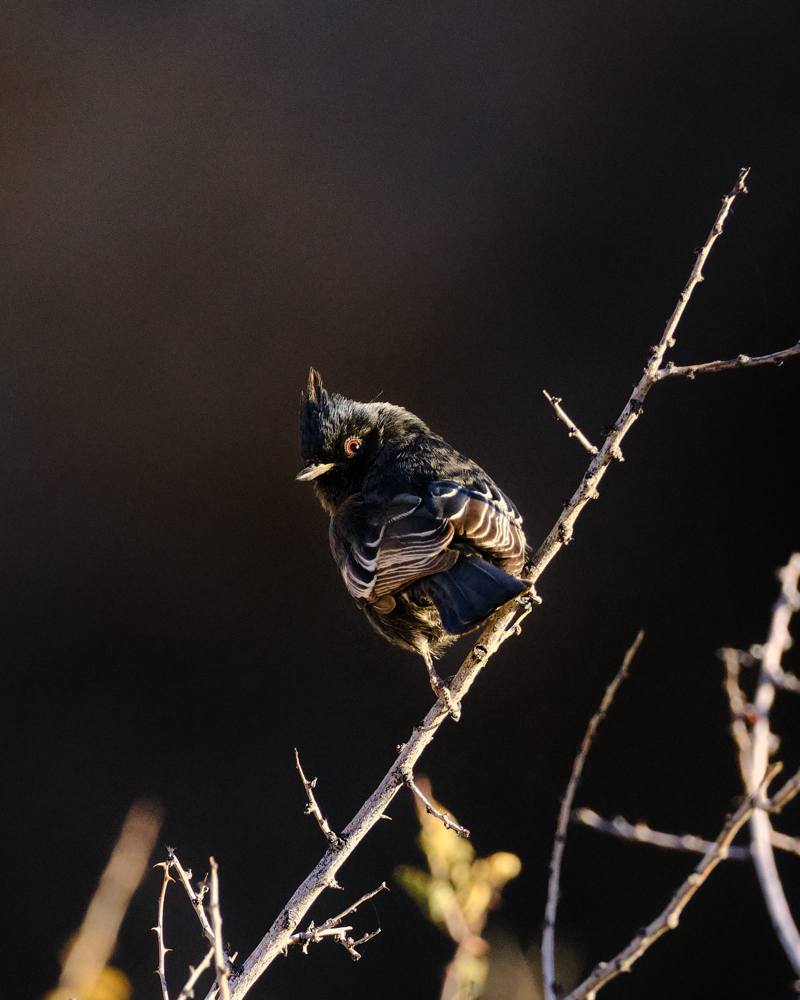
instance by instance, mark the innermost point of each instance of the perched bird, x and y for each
(425, 541)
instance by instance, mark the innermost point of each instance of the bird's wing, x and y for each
(380, 551)
(484, 519)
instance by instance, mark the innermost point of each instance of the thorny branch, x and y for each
(333, 928)
(500, 627)
(560, 839)
(447, 821)
(313, 809)
(159, 930)
(194, 975)
(221, 969)
(195, 898)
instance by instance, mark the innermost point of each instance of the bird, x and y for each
(425, 541)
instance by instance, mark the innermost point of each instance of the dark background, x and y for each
(450, 206)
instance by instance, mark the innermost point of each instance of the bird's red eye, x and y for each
(351, 446)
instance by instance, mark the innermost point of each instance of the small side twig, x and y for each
(671, 370)
(313, 809)
(447, 821)
(560, 839)
(668, 919)
(161, 971)
(574, 430)
(641, 833)
(339, 932)
(221, 969)
(195, 898)
(187, 992)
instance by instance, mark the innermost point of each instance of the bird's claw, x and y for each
(442, 691)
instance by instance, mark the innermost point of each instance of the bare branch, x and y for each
(448, 822)
(641, 833)
(196, 899)
(668, 919)
(187, 993)
(574, 430)
(560, 839)
(498, 628)
(159, 930)
(741, 361)
(333, 928)
(313, 809)
(737, 703)
(221, 969)
(760, 826)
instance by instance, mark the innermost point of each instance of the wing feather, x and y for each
(381, 549)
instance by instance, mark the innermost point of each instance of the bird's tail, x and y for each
(470, 592)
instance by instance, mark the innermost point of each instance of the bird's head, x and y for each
(339, 438)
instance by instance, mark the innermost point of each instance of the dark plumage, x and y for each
(425, 541)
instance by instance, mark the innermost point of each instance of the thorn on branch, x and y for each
(447, 821)
(313, 809)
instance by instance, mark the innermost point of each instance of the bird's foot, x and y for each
(442, 691)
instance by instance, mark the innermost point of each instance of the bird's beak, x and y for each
(312, 471)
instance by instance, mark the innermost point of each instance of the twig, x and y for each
(159, 930)
(194, 898)
(333, 928)
(574, 430)
(668, 919)
(313, 809)
(560, 839)
(194, 974)
(323, 875)
(760, 826)
(221, 969)
(738, 706)
(741, 361)
(641, 833)
(447, 821)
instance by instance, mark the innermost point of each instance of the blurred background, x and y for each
(450, 206)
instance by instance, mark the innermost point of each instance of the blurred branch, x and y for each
(194, 975)
(754, 741)
(88, 956)
(668, 919)
(757, 760)
(641, 833)
(502, 625)
(560, 839)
